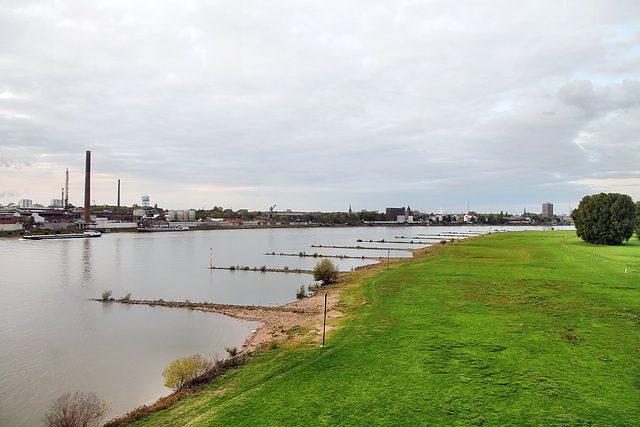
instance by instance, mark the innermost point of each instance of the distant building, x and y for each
(56, 203)
(547, 210)
(25, 203)
(182, 215)
(470, 218)
(517, 219)
(393, 213)
(399, 215)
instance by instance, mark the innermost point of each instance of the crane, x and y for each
(271, 211)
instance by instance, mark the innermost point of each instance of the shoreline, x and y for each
(282, 323)
(294, 322)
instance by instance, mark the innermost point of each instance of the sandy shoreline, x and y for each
(280, 323)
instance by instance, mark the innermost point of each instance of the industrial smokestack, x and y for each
(87, 189)
(118, 210)
(66, 192)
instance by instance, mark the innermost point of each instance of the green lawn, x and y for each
(525, 328)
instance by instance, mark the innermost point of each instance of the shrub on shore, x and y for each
(325, 271)
(301, 292)
(184, 369)
(78, 409)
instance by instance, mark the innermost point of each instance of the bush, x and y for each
(184, 369)
(605, 218)
(126, 298)
(301, 292)
(325, 271)
(106, 295)
(79, 409)
(232, 351)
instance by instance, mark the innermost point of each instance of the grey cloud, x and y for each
(594, 99)
(344, 98)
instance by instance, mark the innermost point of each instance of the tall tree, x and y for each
(638, 220)
(605, 218)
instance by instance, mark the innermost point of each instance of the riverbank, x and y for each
(284, 323)
(534, 328)
(298, 322)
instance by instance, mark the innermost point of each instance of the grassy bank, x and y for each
(526, 328)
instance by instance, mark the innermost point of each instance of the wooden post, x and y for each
(324, 323)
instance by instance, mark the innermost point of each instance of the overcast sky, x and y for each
(318, 105)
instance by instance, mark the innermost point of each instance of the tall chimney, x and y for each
(66, 192)
(118, 210)
(87, 189)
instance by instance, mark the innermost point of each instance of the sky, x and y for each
(317, 106)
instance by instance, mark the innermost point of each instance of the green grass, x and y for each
(522, 329)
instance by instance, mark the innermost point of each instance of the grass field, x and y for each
(522, 329)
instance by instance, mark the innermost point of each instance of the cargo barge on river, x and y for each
(86, 234)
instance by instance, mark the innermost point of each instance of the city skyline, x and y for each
(315, 107)
(145, 202)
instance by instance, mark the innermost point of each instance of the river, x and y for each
(53, 339)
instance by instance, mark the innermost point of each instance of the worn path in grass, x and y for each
(524, 328)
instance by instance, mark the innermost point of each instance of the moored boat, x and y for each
(86, 234)
(160, 229)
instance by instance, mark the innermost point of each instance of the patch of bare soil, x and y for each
(281, 323)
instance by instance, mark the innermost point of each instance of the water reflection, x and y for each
(87, 261)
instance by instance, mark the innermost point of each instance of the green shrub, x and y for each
(106, 295)
(325, 271)
(184, 369)
(301, 292)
